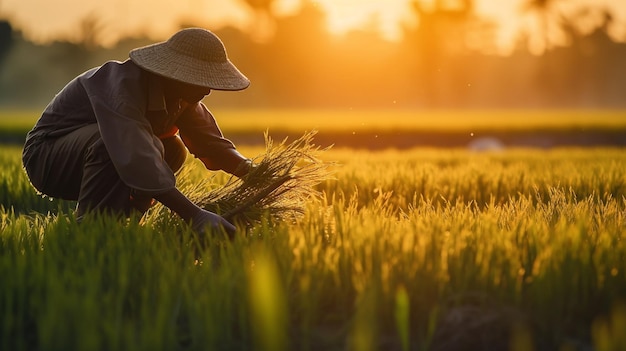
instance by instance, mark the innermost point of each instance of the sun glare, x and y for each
(385, 17)
(43, 21)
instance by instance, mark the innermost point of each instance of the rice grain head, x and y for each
(280, 183)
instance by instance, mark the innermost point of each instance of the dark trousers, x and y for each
(77, 167)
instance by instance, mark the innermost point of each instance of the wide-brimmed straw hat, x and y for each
(193, 56)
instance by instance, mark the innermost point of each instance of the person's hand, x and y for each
(244, 168)
(205, 219)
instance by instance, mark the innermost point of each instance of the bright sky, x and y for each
(42, 20)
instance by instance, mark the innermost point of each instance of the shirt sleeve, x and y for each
(205, 140)
(135, 151)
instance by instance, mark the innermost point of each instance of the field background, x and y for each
(379, 129)
(407, 248)
(478, 200)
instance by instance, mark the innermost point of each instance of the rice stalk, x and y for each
(279, 184)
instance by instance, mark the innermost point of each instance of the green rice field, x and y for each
(414, 249)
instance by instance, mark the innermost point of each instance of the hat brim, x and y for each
(161, 60)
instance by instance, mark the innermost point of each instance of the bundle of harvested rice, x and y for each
(279, 184)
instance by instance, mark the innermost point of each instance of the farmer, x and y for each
(114, 136)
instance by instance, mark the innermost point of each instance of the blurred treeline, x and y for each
(447, 60)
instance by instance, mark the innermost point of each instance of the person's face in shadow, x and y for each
(190, 94)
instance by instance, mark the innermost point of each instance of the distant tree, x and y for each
(294, 59)
(595, 72)
(441, 35)
(260, 5)
(90, 32)
(6, 39)
(550, 24)
(264, 19)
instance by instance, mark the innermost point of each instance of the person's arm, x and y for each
(191, 213)
(120, 109)
(204, 139)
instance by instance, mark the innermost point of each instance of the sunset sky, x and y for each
(43, 20)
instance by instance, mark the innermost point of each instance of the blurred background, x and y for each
(402, 54)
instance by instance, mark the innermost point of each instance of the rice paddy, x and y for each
(383, 120)
(418, 249)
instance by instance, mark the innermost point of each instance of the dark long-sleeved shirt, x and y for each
(128, 104)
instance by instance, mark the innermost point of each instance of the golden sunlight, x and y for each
(384, 16)
(43, 21)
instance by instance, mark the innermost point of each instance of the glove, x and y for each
(204, 219)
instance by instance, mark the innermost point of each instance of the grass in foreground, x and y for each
(416, 250)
